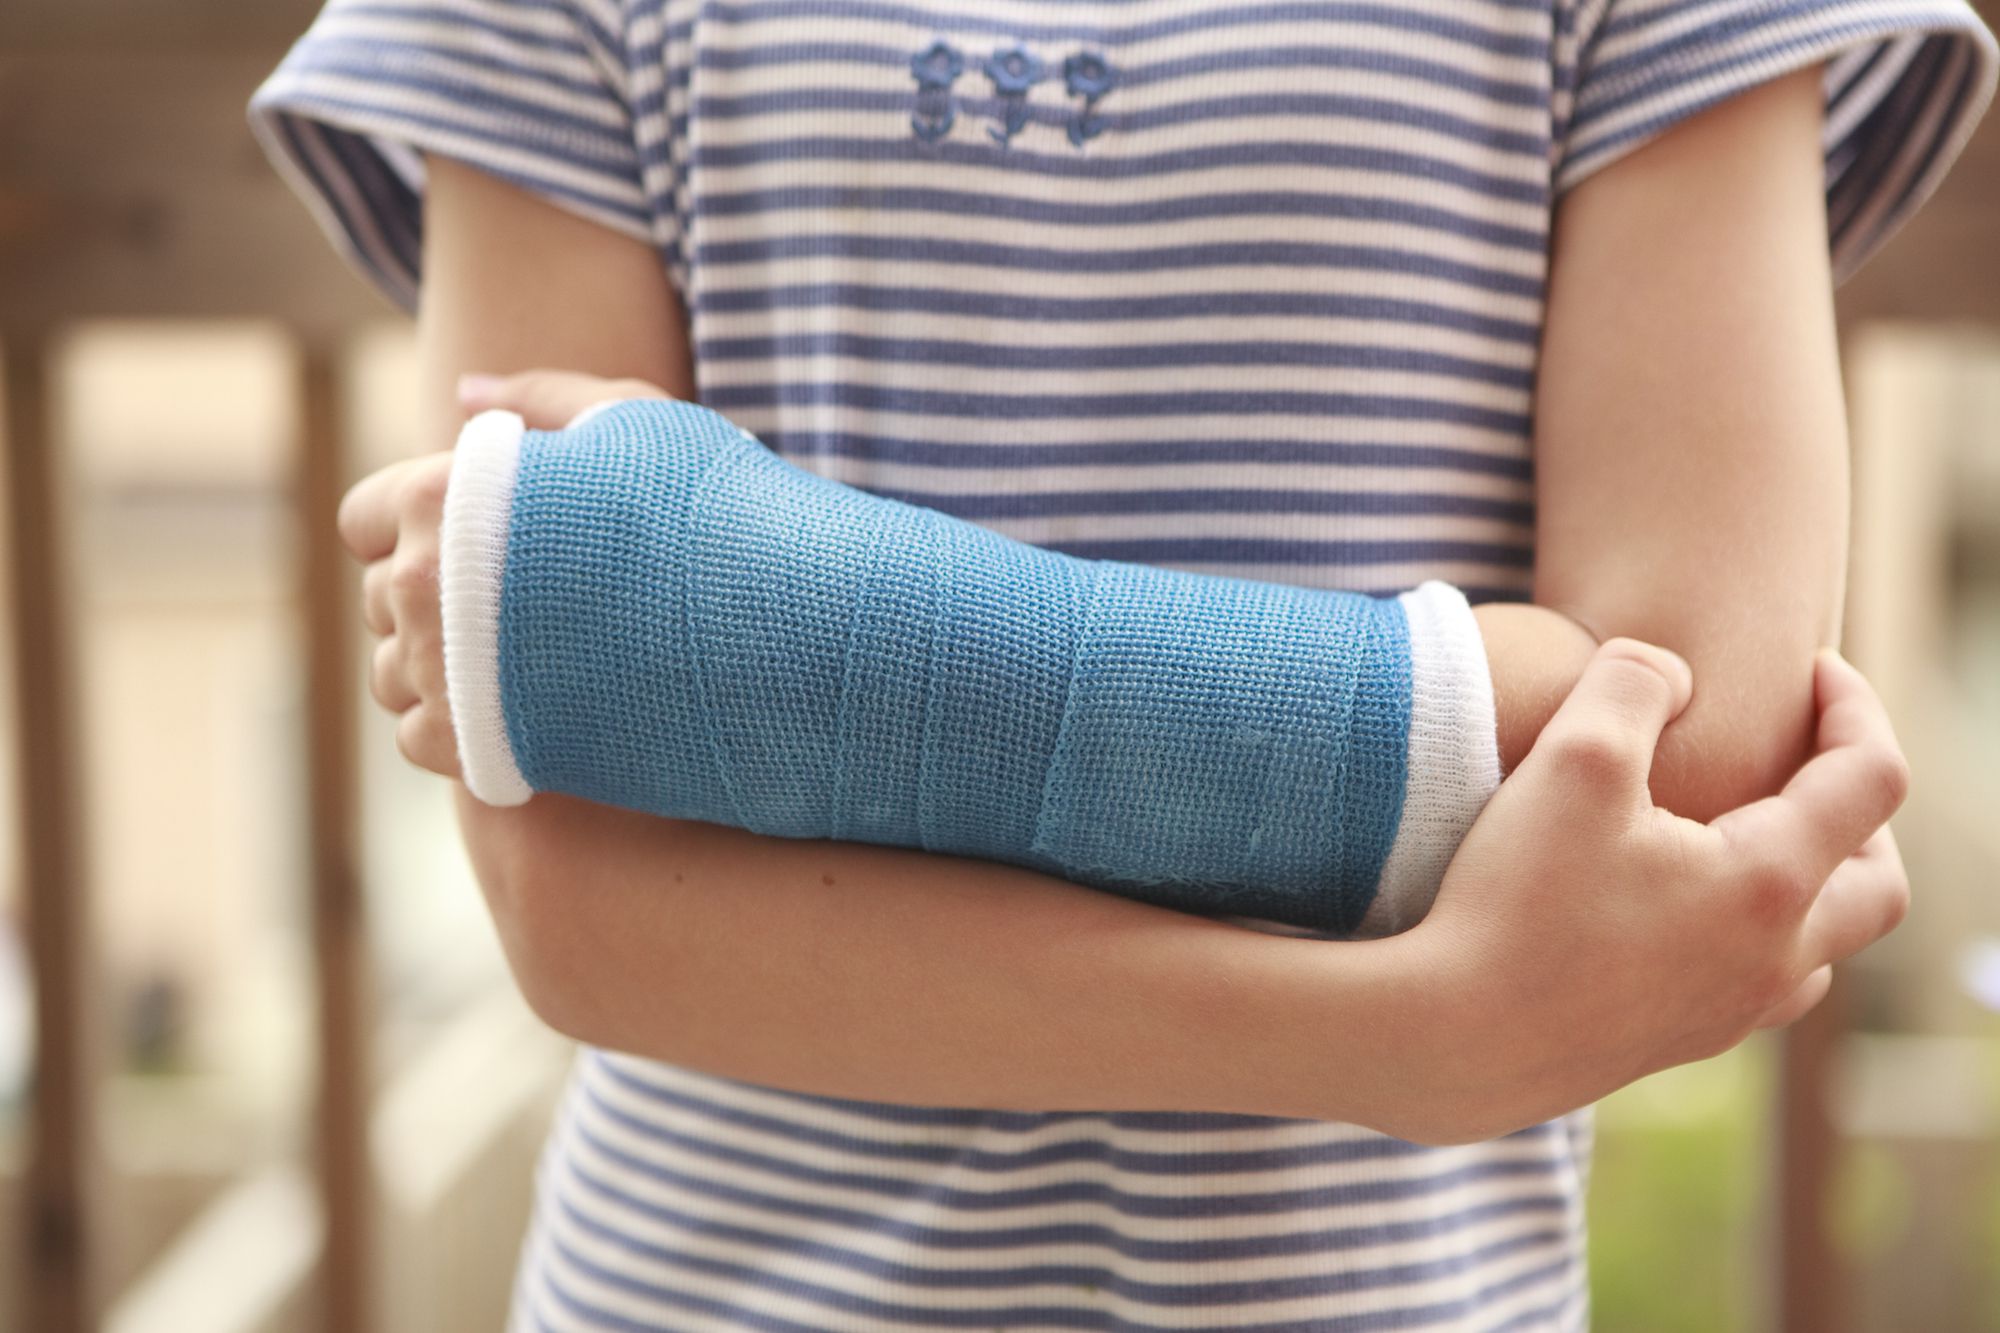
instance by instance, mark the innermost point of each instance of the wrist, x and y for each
(1368, 1015)
(1536, 654)
(1451, 762)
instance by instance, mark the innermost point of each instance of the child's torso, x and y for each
(1241, 286)
(1254, 288)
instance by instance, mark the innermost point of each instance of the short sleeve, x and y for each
(1905, 82)
(532, 91)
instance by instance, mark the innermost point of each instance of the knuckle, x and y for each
(382, 673)
(1770, 986)
(421, 490)
(1763, 980)
(413, 576)
(375, 597)
(423, 737)
(1895, 902)
(427, 668)
(1773, 889)
(406, 737)
(1591, 755)
(1891, 771)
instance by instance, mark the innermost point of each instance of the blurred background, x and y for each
(245, 976)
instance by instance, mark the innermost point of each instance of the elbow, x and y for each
(1752, 720)
(1712, 774)
(1740, 739)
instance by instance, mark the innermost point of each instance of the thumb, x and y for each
(548, 399)
(1603, 736)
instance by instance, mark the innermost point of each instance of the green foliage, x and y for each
(1681, 1163)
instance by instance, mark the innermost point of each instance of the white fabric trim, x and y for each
(1454, 754)
(472, 556)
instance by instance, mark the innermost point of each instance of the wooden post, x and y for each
(1812, 1278)
(57, 1295)
(339, 934)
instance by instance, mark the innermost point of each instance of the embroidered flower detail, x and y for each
(1088, 75)
(932, 126)
(1084, 127)
(937, 65)
(1014, 70)
(935, 69)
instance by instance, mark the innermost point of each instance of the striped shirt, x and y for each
(1252, 287)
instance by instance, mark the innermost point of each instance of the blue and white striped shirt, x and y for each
(1252, 287)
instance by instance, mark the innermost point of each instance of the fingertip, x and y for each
(477, 390)
(1830, 661)
(1664, 662)
(1680, 676)
(343, 519)
(1835, 678)
(359, 519)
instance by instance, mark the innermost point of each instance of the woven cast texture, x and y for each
(693, 627)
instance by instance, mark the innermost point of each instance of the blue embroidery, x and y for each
(930, 128)
(1087, 75)
(1013, 70)
(935, 69)
(937, 66)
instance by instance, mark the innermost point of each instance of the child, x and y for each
(1274, 292)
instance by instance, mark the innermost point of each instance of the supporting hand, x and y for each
(1584, 937)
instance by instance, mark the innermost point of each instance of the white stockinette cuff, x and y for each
(472, 556)
(1454, 754)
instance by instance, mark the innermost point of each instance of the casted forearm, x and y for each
(861, 971)
(657, 612)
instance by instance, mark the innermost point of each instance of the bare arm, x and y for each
(1691, 443)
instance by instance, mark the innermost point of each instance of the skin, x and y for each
(1683, 907)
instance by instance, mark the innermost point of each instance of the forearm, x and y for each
(888, 974)
(656, 612)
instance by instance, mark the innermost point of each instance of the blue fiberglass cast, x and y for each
(691, 626)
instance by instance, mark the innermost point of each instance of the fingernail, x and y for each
(474, 388)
